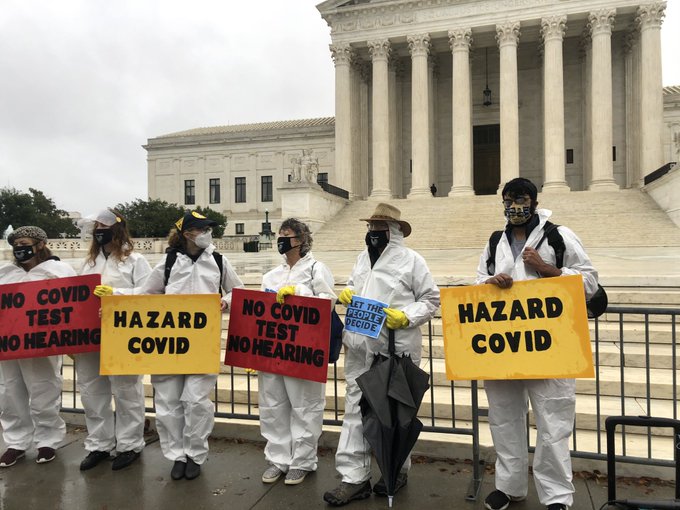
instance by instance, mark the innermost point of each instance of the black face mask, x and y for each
(103, 236)
(376, 239)
(23, 253)
(283, 244)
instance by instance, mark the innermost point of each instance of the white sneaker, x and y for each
(271, 474)
(295, 476)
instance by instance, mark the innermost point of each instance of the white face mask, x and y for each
(203, 240)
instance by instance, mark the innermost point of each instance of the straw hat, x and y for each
(387, 212)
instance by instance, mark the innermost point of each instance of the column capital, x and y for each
(379, 49)
(601, 21)
(553, 27)
(419, 44)
(395, 64)
(631, 38)
(342, 53)
(363, 68)
(507, 33)
(460, 39)
(650, 15)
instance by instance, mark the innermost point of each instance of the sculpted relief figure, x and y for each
(305, 166)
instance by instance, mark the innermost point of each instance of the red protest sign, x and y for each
(49, 317)
(290, 339)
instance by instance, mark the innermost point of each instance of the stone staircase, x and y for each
(601, 219)
(635, 378)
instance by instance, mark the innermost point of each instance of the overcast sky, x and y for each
(84, 83)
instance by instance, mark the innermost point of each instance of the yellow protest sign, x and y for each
(161, 334)
(537, 329)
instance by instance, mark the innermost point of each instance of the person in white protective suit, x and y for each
(111, 255)
(185, 414)
(552, 400)
(30, 389)
(291, 409)
(389, 272)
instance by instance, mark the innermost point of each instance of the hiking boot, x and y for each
(92, 459)
(271, 474)
(558, 506)
(381, 489)
(11, 456)
(498, 500)
(295, 476)
(124, 459)
(45, 454)
(178, 470)
(192, 470)
(346, 492)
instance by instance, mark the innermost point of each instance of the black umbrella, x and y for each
(392, 390)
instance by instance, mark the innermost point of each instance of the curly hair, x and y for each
(301, 231)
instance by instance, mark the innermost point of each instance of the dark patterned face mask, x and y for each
(103, 236)
(376, 239)
(23, 253)
(283, 244)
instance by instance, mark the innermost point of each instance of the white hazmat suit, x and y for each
(125, 431)
(185, 414)
(553, 400)
(30, 389)
(400, 278)
(291, 409)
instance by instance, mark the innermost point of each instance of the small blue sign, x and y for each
(365, 316)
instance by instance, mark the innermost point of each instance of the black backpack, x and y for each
(596, 305)
(172, 257)
(337, 326)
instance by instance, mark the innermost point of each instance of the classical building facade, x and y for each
(469, 94)
(237, 170)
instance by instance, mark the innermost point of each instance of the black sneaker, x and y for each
(558, 506)
(498, 500)
(11, 456)
(178, 470)
(124, 459)
(381, 490)
(92, 459)
(346, 492)
(192, 470)
(46, 454)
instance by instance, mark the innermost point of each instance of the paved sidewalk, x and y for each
(231, 480)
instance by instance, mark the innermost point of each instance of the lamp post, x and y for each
(267, 227)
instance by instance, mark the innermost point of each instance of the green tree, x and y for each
(34, 208)
(155, 218)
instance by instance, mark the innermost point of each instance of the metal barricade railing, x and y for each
(433, 421)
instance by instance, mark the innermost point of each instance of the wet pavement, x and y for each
(231, 479)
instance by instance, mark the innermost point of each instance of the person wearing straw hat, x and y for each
(185, 413)
(389, 272)
(30, 389)
(122, 270)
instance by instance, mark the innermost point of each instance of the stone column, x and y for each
(342, 57)
(585, 56)
(419, 46)
(462, 178)
(380, 52)
(632, 66)
(395, 74)
(600, 23)
(552, 30)
(507, 35)
(649, 18)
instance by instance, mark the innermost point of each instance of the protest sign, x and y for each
(49, 317)
(365, 316)
(537, 329)
(161, 334)
(288, 339)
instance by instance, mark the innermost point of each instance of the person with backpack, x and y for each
(519, 253)
(122, 270)
(291, 409)
(30, 388)
(184, 410)
(389, 272)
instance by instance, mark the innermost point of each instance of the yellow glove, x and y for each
(283, 292)
(103, 290)
(345, 296)
(396, 319)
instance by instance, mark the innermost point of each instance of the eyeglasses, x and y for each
(377, 225)
(517, 200)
